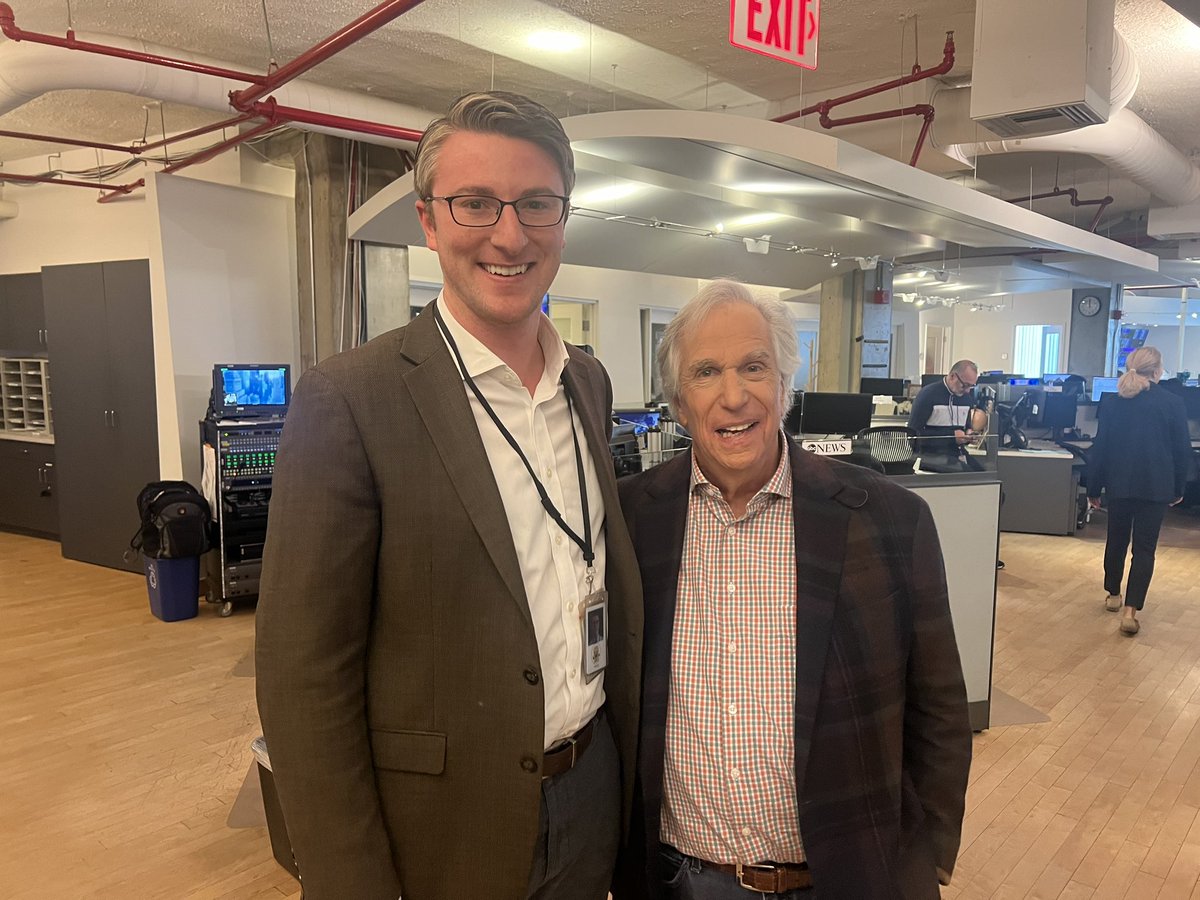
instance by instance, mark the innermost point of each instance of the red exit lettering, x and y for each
(785, 29)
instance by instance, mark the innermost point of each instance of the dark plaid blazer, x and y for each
(883, 742)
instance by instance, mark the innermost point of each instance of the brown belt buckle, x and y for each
(743, 869)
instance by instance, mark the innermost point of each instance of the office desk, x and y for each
(1041, 490)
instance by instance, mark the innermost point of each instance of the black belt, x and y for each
(564, 757)
(767, 878)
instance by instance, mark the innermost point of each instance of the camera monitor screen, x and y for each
(251, 389)
(827, 413)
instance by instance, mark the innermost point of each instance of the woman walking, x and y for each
(1140, 460)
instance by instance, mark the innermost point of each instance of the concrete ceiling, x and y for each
(633, 54)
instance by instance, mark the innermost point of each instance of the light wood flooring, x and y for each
(124, 740)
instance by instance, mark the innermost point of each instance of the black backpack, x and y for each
(175, 521)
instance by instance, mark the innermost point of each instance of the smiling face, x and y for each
(494, 277)
(731, 399)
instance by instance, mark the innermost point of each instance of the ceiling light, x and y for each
(779, 187)
(759, 218)
(833, 263)
(555, 41)
(923, 273)
(920, 301)
(607, 194)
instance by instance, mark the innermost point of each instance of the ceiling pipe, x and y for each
(1125, 142)
(50, 179)
(331, 46)
(8, 26)
(30, 69)
(134, 149)
(1075, 201)
(924, 110)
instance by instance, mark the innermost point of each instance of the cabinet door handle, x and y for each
(41, 476)
(114, 418)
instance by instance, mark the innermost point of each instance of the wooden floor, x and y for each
(124, 740)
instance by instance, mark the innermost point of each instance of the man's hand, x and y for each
(1094, 502)
(1176, 501)
(961, 436)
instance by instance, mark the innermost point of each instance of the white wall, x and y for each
(225, 291)
(987, 337)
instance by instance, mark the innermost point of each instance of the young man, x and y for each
(441, 724)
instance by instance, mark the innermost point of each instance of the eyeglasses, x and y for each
(967, 384)
(536, 211)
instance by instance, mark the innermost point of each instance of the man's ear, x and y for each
(425, 214)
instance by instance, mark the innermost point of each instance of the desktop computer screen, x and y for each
(828, 413)
(930, 379)
(1103, 385)
(893, 387)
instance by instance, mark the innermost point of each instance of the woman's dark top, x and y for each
(1142, 448)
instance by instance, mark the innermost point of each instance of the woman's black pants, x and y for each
(1143, 519)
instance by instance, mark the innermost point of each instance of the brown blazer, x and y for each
(398, 671)
(883, 743)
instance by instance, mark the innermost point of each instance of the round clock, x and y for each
(1089, 305)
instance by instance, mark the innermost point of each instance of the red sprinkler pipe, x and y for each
(1075, 201)
(9, 27)
(925, 110)
(218, 149)
(335, 43)
(917, 74)
(270, 109)
(134, 149)
(50, 179)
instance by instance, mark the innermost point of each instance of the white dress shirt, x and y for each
(552, 565)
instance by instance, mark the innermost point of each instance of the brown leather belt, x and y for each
(767, 878)
(563, 757)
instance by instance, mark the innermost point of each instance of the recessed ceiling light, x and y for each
(760, 218)
(555, 41)
(606, 194)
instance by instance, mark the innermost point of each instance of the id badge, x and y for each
(595, 634)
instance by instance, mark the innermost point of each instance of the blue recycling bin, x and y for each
(174, 587)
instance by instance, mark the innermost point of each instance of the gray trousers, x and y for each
(579, 825)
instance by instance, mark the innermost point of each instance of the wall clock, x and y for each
(1089, 305)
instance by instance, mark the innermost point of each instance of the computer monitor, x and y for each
(1060, 410)
(930, 379)
(1057, 378)
(642, 419)
(1024, 382)
(995, 377)
(893, 387)
(1102, 384)
(791, 422)
(827, 413)
(251, 389)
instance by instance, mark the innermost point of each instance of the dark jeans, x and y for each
(688, 878)
(579, 825)
(1142, 518)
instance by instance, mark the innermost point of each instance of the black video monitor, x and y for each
(927, 380)
(791, 422)
(994, 378)
(825, 413)
(251, 389)
(892, 387)
(1060, 410)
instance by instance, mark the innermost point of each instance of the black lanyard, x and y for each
(583, 543)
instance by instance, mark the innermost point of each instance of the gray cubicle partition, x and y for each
(966, 511)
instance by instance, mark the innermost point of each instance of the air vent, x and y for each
(1042, 121)
(1041, 68)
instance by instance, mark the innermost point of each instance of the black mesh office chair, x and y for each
(892, 445)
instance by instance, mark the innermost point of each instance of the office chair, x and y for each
(892, 445)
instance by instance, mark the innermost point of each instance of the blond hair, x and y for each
(495, 112)
(1143, 367)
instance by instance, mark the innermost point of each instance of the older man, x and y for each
(804, 719)
(941, 417)
(449, 630)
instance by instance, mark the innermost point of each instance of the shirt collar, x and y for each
(480, 360)
(779, 484)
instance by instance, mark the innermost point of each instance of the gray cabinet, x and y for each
(27, 499)
(105, 423)
(22, 317)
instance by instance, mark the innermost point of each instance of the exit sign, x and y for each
(782, 29)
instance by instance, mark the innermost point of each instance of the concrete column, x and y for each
(1090, 343)
(876, 355)
(840, 354)
(333, 316)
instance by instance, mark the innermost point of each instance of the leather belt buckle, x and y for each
(745, 869)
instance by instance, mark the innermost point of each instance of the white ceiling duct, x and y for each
(28, 70)
(1125, 142)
